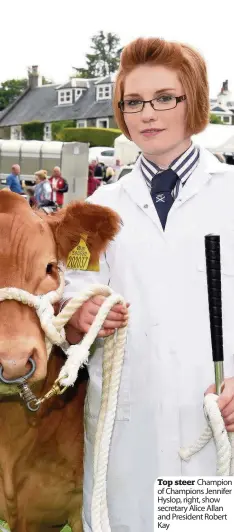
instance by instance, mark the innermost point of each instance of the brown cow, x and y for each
(41, 454)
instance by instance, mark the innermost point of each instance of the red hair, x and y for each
(188, 63)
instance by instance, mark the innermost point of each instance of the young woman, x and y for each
(175, 195)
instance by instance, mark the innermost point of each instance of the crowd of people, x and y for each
(45, 190)
(52, 189)
(100, 174)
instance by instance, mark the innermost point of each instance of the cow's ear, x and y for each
(97, 225)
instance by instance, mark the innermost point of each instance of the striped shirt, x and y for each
(183, 166)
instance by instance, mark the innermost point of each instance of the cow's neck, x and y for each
(42, 449)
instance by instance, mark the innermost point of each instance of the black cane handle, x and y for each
(213, 269)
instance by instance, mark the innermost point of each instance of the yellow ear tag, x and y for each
(79, 257)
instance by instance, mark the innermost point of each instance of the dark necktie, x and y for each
(162, 185)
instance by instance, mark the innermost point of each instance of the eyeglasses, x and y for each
(162, 103)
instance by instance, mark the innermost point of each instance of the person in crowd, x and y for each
(13, 180)
(176, 194)
(117, 168)
(59, 186)
(42, 190)
(98, 170)
(109, 176)
(31, 198)
(93, 165)
(93, 183)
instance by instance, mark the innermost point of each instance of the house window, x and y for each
(61, 97)
(78, 94)
(102, 122)
(65, 97)
(16, 133)
(81, 123)
(104, 92)
(47, 132)
(227, 119)
(68, 96)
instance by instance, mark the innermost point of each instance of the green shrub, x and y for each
(33, 130)
(95, 136)
(215, 119)
(58, 127)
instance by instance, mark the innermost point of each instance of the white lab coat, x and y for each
(168, 360)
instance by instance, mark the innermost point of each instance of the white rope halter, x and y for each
(43, 305)
(77, 355)
(223, 440)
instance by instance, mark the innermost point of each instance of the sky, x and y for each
(55, 34)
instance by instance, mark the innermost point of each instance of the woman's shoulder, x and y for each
(107, 195)
(111, 192)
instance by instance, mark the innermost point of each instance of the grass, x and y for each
(3, 524)
(65, 529)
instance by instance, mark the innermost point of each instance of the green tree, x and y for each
(104, 57)
(10, 90)
(46, 81)
(215, 119)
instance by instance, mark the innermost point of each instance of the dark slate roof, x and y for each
(80, 83)
(65, 86)
(41, 104)
(13, 105)
(88, 107)
(104, 81)
(219, 108)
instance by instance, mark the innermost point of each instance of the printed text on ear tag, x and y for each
(79, 258)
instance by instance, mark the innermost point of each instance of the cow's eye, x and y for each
(49, 268)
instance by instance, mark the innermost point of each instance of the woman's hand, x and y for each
(226, 402)
(83, 318)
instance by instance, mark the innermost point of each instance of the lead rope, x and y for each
(112, 367)
(77, 355)
(224, 441)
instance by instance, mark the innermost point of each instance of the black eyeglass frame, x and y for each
(178, 99)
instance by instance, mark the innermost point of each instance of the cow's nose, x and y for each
(13, 368)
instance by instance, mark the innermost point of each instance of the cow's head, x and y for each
(31, 244)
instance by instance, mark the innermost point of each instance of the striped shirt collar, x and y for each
(184, 165)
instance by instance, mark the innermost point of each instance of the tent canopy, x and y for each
(125, 150)
(216, 138)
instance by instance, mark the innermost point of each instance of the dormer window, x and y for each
(78, 94)
(64, 97)
(104, 92)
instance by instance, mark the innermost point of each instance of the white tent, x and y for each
(217, 138)
(125, 150)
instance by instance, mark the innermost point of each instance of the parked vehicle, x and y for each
(125, 170)
(103, 154)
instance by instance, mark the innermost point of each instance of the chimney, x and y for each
(33, 77)
(225, 86)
